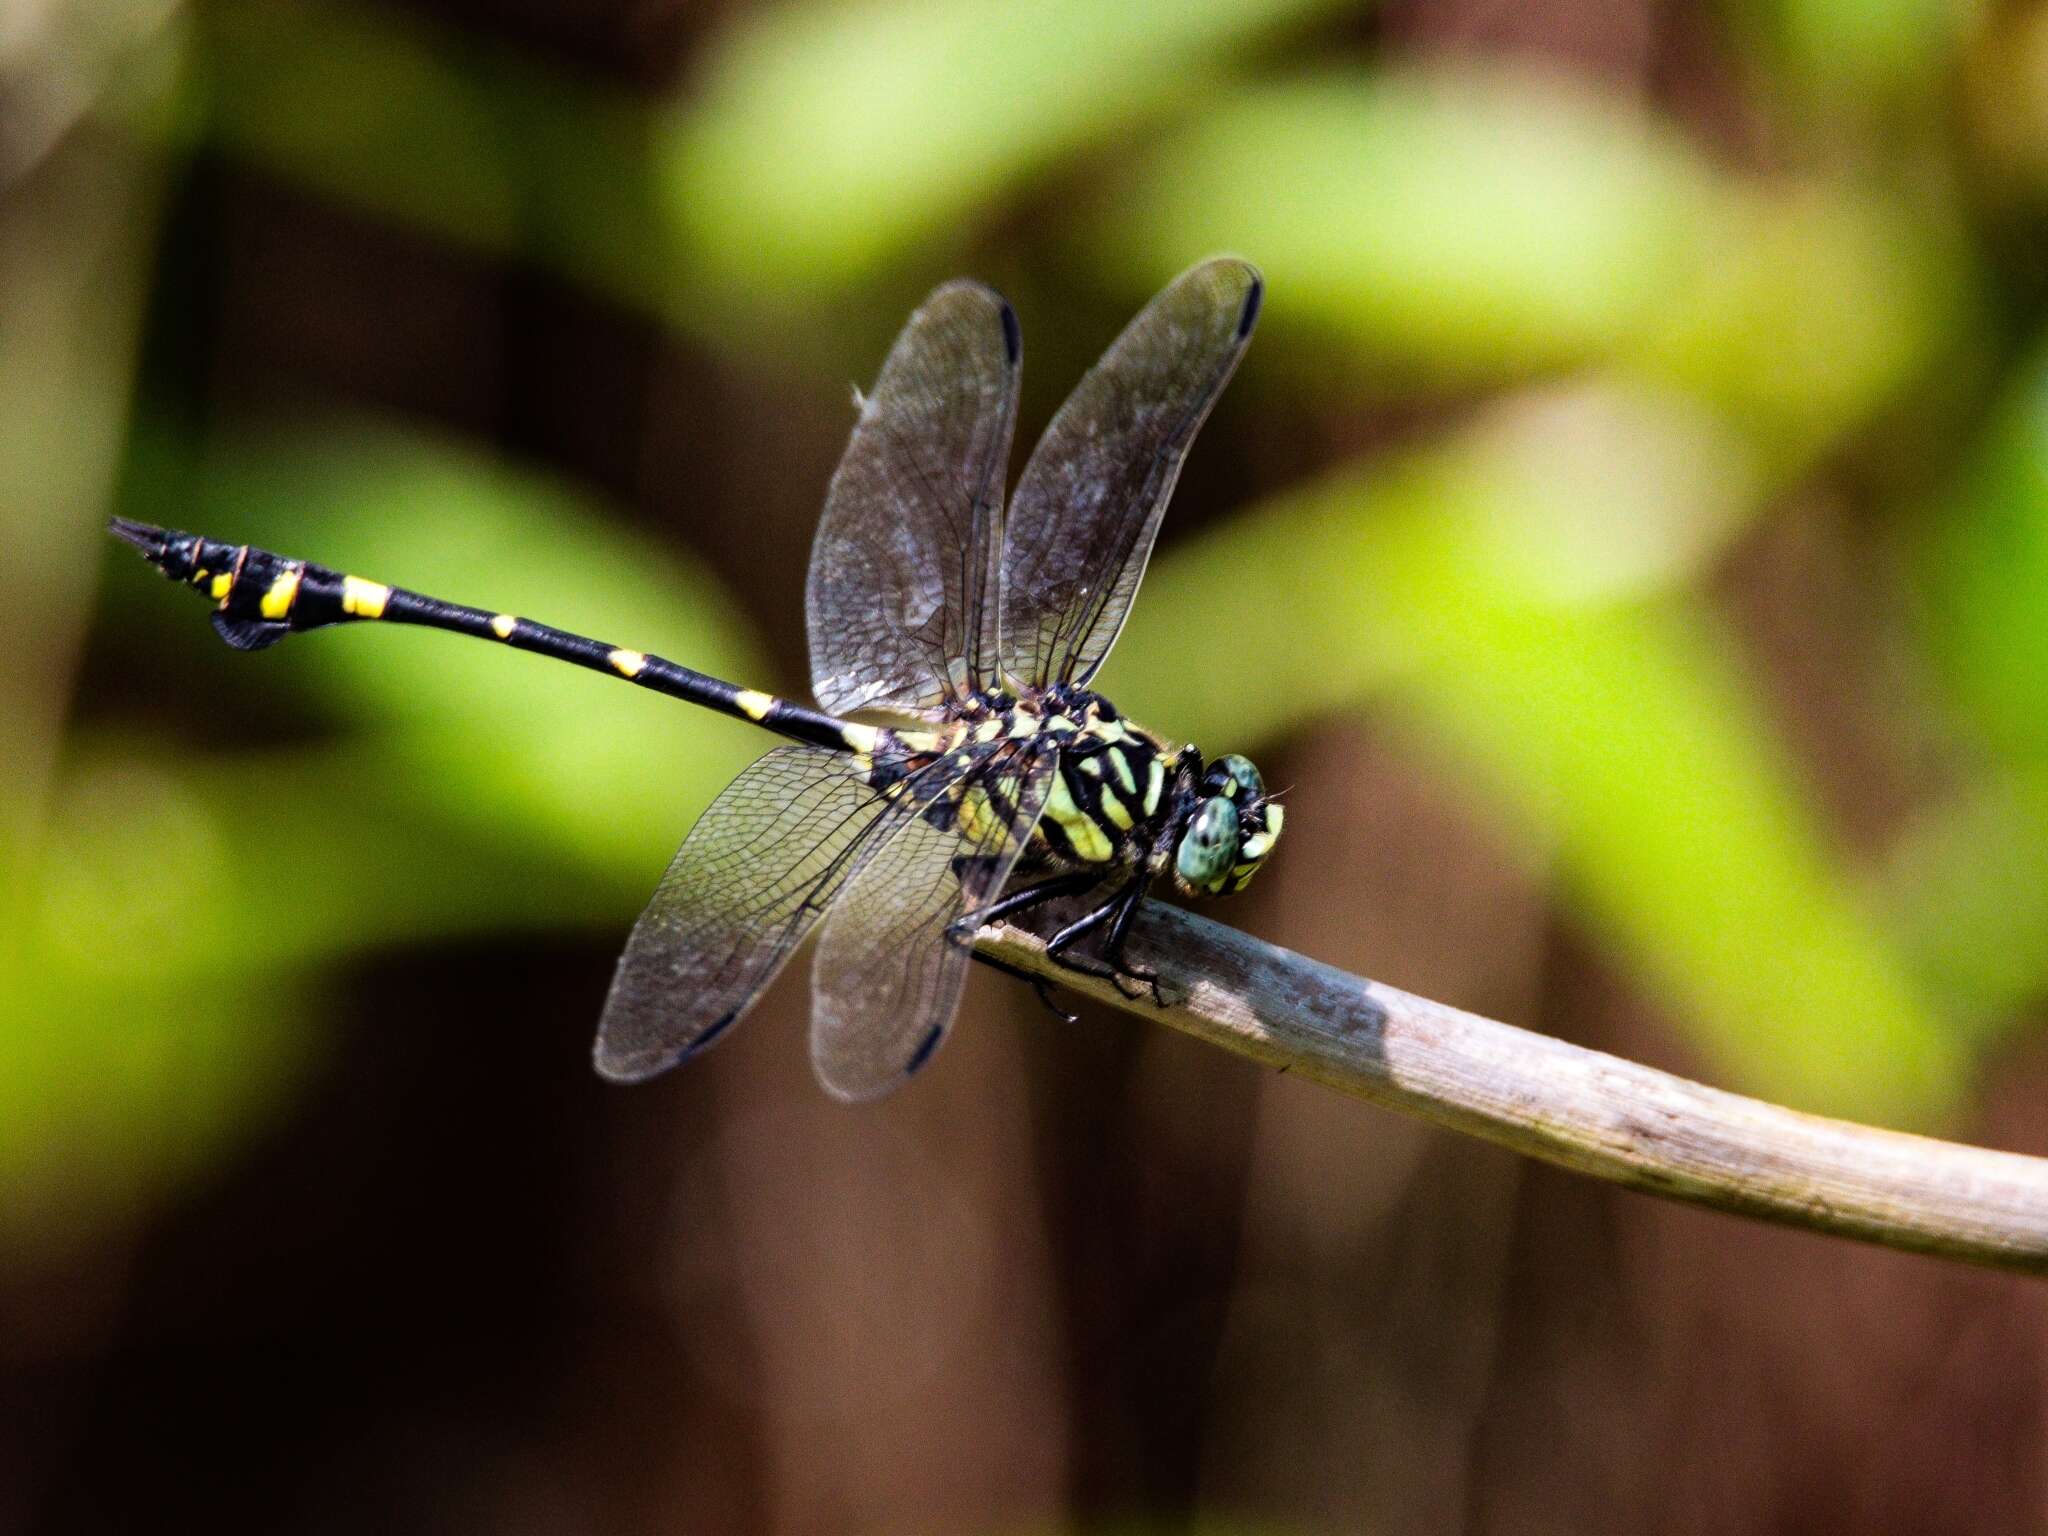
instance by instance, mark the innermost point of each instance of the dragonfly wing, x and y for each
(1087, 509)
(889, 971)
(902, 596)
(758, 869)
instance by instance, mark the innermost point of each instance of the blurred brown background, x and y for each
(1628, 538)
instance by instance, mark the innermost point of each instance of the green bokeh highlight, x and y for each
(1458, 225)
(824, 140)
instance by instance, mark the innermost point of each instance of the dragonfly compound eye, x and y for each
(1208, 847)
(1234, 777)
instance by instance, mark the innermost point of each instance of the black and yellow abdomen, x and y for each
(260, 597)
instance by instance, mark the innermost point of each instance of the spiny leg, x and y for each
(1039, 985)
(1117, 910)
(1119, 931)
(963, 929)
(1019, 901)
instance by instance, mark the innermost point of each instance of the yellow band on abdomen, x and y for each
(363, 599)
(277, 602)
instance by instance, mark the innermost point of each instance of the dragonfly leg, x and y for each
(963, 927)
(1120, 930)
(1039, 985)
(1117, 911)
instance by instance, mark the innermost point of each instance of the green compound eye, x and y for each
(1235, 778)
(1208, 848)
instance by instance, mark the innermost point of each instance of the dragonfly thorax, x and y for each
(1122, 799)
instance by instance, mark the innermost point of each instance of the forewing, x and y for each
(888, 973)
(902, 597)
(1087, 509)
(755, 873)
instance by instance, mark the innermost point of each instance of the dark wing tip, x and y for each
(925, 1047)
(1218, 280)
(1013, 336)
(1227, 273)
(617, 1065)
(1006, 317)
(1250, 314)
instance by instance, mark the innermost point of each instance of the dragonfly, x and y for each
(959, 767)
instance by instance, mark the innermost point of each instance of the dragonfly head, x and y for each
(1230, 828)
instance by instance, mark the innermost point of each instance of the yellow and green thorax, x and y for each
(1120, 798)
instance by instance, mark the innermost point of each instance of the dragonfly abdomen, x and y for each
(260, 597)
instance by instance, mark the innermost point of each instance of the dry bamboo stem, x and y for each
(1578, 1108)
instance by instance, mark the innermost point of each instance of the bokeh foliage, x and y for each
(1635, 353)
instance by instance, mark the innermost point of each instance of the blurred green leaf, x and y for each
(1463, 221)
(1863, 55)
(1468, 222)
(1982, 561)
(826, 138)
(110, 1095)
(1606, 716)
(1968, 886)
(1686, 840)
(823, 141)
(367, 105)
(1551, 501)
(1810, 307)
(178, 872)
(471, 141)
(1969, 877)
(2005, 111)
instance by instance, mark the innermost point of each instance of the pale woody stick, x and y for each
(1578, 1108)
